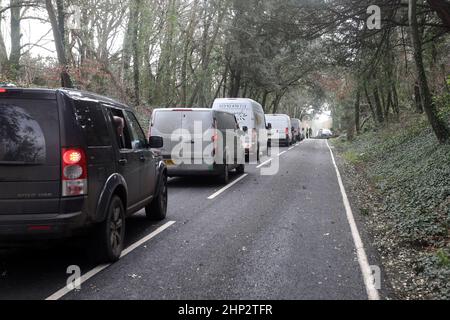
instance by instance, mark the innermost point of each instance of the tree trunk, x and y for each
(418, 98)
(235, 84)
(358, 111)
(16, 35)
(378, 106)
(264, 100)
(66, 82)
(369, 102)
(439, 127)
(136, 54)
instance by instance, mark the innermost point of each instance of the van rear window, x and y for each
(29, 132)
(278, 123)
(166, 122)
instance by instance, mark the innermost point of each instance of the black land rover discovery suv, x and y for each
(72, 162)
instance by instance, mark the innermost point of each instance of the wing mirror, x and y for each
(156, 142)
(269, 126)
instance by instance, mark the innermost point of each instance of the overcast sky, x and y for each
(34, 31)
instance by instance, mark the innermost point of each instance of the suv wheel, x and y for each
(157, 209)
(111, 232)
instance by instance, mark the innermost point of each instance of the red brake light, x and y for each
(287, 131)
(71, 157)
(74, 172)
(3, 90)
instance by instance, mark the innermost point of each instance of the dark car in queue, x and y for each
(75, 163)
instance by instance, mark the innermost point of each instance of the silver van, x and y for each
(251, 118)
(199, 142)
(281, 129)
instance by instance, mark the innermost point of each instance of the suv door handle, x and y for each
(123, 162)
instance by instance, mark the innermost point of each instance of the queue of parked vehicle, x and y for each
(75, 163)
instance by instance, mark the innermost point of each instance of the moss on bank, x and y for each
(410, 174)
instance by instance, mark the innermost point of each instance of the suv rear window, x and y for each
(29, 132)
(92, 121)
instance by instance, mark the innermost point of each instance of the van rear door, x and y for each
(199, 124)
(164, 124)
(29, 154)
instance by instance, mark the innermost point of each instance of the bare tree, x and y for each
(439, 127)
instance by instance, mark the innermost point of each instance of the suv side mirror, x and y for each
(156, 142)
(245, 128)
(269, 126)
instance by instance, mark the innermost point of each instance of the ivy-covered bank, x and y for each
(399, 178)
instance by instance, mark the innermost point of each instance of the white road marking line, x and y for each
(264, 163)
(291, 148)
(64, 291)
(281, 153)
(369, 280)
(218, 193)
(139, 243)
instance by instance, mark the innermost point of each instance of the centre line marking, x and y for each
(280, 154)
(264, 163)
(218, 193)
(291, 148)
(64, 291)
(366, 271)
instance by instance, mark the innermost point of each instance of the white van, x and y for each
(281, 128)
(199, 142)
(251, 119)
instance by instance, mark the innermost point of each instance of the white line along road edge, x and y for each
(218, 193)
(64, 291)
(369, 280)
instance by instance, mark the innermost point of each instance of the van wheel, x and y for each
(157, 209)
(110, 235)
(240, 169)
(224, 176)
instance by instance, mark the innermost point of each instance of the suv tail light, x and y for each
(287, 131)
(74, 172)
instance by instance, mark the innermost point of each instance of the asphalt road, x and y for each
(284, 236)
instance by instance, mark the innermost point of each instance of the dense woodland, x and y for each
(290, 55)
